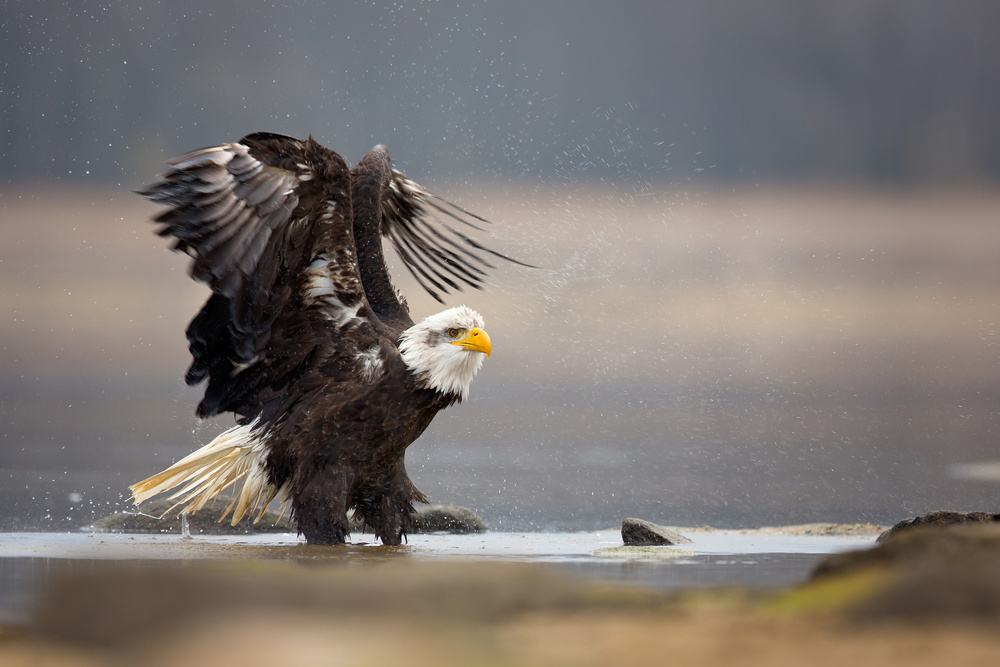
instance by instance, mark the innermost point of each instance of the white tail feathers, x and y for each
(237, 457)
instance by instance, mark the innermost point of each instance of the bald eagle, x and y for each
(304, 337)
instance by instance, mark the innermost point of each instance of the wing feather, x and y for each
(219, 199)
(267, 223)
(434, 249)
(439, 257)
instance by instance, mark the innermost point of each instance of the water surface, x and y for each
(745, 559)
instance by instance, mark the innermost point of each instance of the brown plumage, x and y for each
(305, 338)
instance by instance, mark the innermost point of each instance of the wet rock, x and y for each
(447, 519)
(938, 574)
(148, 518)
(451, 519)
(941, 518)
(640, 533)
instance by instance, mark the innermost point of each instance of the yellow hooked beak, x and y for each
(476, 340)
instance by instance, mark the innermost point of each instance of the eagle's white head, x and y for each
(446, 350)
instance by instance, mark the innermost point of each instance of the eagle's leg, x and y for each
(391, 521)
(319, 503)
(388, 508)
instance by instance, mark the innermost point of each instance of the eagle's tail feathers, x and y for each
(237, 458)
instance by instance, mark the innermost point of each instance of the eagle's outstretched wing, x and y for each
(267, 222)
(440, 257)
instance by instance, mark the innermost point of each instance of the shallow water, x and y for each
(746, 559)
(577, 546)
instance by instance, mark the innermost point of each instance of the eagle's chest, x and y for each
(405, 417)
(379, 420)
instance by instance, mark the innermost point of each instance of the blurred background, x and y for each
(767, 235)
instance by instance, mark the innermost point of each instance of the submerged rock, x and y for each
(941, 518)
(640, 533)
(149, 519)
(627, 552)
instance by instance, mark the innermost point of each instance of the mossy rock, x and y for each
(940, 519)
(933, 574)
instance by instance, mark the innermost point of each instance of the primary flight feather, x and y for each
(305, 338)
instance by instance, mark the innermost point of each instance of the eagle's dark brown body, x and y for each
(302, 336)
(350, 454)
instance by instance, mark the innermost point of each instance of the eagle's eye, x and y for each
(453, 332)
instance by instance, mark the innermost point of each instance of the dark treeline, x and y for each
(885, 91)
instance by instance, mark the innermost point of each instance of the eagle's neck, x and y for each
(438, 365)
